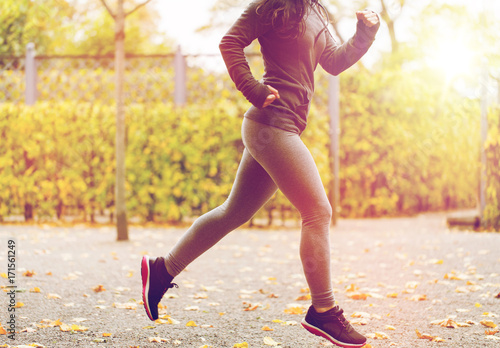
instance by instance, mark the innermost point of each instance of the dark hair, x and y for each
(286, 16)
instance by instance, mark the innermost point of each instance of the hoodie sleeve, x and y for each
(337, 58)
(247, 28)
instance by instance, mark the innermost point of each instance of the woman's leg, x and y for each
(252, 188)
(290, 164)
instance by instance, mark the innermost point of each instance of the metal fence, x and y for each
(171, 77)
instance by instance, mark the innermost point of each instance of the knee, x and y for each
(234, 216)
(318, 215)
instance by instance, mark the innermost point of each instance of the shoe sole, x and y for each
(145, 273)
(318, 332)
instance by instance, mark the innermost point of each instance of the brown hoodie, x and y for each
(289, 64)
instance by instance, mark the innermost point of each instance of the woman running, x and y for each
(294, 39)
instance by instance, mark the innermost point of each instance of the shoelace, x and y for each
(345, 323)
(170, 286)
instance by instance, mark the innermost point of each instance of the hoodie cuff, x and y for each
(258, 95)
(365, 35)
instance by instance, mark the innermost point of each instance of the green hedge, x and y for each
(405, 148)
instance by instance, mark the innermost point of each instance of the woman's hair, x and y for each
(286, 16)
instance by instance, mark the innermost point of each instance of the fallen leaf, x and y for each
(359, 321)
(378, 336)
(491, 332)
(29, 273)
(294, 310)
(35, 289)
(99, 288)
(192, 308)
(127, 305)
(158, 339)
(418, 298)
(449, 323)
(2, 330)
(389, 327)
(191, 323)
(54, 296)
(249, 307)
(74, 327)
(107, 334)
(28, 329)
(267, 328)
(412, 285)
(303, 298)
(358, 296)
(200, 296)
(241, 345)
(488, 323)
(425, 336)
(392, 295)
(19, 305)
(360, 315)
(268, 341)
(352, 288)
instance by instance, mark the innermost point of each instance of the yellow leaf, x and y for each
(35, 289)
(389, 327)
(2, 330)
(107, 334)
(478, 305)
(19, 305)
(358, 296)
(303, 298)
(3, 275)
(352, 288)
(488, 323)
(392, 295)
(157, 339)
(378, 336)
(191, 323)
(294, 310)
(267, 328)
(241, 345)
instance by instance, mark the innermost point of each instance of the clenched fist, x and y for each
(369, 18)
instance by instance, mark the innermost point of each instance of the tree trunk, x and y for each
(121, 213)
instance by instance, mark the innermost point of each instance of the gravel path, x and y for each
(396, 275)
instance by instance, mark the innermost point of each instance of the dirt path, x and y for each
(398, 275)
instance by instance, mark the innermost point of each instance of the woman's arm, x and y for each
(247, 28)
(337, 58)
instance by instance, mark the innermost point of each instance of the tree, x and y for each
(120, 207)
(39, 22)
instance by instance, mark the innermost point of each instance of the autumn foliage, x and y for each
(404, 149)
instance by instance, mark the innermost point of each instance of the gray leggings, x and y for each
(272, 159)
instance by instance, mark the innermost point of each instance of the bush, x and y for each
(405, 148)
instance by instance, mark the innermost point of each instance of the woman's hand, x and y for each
(271, 97)
(369, 18)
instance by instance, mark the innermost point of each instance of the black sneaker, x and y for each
(333, 326)
(155, 283)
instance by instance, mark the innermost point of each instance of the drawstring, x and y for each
(325, 28)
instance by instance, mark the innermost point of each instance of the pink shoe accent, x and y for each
(145, 272)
